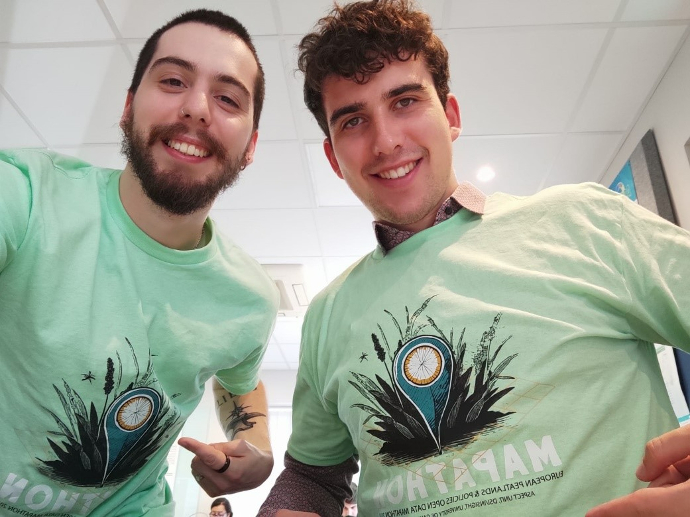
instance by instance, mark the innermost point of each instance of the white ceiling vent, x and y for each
(289, 279)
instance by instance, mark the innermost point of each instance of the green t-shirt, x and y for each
(500, 364)
(107, 338)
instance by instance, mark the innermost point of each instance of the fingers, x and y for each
(647, 502)
(663, 451)
(671, 476)
(208, 455)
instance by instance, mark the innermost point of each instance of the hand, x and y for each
(249, 466)
(293, 513)
(666, 465)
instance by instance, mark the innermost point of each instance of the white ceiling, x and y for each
(549, 89)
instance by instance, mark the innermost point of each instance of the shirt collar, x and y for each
(465, 195)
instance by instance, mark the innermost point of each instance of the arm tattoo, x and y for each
(240, 420)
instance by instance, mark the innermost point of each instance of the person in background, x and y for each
(493, 355)
(221, 508)
(350, 505)
(119, 297)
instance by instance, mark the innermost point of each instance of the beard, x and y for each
(173, 190)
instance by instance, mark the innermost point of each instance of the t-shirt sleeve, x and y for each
(15, 208)
(319, 437)
(655, 263)
(244, 377)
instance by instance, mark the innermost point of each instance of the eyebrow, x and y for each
(356, 106)
(191, 67)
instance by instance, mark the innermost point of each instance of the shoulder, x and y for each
(581, 201)
(41, 166)
(246, 270)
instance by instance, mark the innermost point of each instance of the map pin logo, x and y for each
(423, 369)
(126, 421)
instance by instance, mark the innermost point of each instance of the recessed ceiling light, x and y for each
(486, 173)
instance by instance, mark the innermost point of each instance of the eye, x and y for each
(405, 102)
(228, 100)
(173, 81)
(352, 122)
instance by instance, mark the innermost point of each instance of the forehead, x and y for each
(337, 91)
(210, 49)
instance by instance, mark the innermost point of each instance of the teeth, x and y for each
(397, 173)
(188, 149)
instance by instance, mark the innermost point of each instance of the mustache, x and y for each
(170, 131)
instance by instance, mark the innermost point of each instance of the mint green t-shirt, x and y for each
(500, 364)
(107, 338)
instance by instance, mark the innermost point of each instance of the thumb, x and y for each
(207, 454)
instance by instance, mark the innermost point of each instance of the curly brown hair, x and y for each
(357, 40)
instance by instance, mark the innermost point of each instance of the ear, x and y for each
(453, 116)
(330, 154)
(127, 109)
(251, 148)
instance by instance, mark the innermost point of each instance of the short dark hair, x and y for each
(356, 40)
(214, 19)
(353, 498)
(224, 502)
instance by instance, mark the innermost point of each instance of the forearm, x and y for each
(244, 416)
(309, 488)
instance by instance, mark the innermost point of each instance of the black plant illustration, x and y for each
(80, 444)
(473, 393)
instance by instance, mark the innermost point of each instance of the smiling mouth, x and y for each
(188, 149)
(399, 172)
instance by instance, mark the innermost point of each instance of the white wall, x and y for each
(668, 114)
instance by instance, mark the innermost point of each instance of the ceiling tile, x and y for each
(520, 162)
(76, 107)
(273, 354)
(34, 21)
(14, 131)
(306, 124)
(278, 366)
(137, 19)
(288, 330)
(640, 10)
(345, 231)
(276, 118)
(584, 157)
(276, 179)
(271, 233)
(291, 353)
(336, 265)
(630, 69)
(107, 156)
(294, 21)
(496, 13)
(330, 190)
(520, 81)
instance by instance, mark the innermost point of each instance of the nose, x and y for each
(195, 108)
(387, 136)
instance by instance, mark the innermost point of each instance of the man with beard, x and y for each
(119, 298)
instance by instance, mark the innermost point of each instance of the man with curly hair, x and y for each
(510, 367)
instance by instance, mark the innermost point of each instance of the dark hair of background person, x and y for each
(224, 502)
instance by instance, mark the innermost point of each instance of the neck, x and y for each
(427, 221)
(180, 232)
